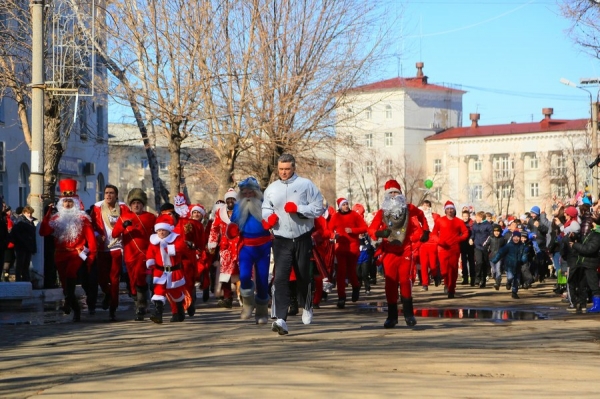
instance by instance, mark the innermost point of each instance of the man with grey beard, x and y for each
(74, 241)
(255, 249)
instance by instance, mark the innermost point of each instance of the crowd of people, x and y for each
(286, 247)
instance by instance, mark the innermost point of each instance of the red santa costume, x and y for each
(323, 248)
(401, 226)
(136, 229)
(449, 231)
(346, 225)
(164, 257)
(192, 232)
(73, 238)
(228, 249)
(110, 250)
(428, 252)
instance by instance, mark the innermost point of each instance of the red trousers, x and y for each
(109, 274)
(346, 267)
(428, 254)
(397, 269)
(449, 266)
(190, 271)
(67, 265)
(136, 269)
(318, 290)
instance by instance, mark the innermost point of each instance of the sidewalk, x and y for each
(343, 354)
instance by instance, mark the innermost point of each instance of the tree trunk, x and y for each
(53, 146)
(175, 154)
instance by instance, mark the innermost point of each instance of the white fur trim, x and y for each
(159, 298)
(163, 226)
(392, 190)
(171, 249)
(449, 207)
(83, 255)
(150, 263)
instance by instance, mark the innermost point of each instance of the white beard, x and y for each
(249, 206)
(182, 210)
(68, 224)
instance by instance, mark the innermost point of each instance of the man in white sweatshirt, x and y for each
(289, 208)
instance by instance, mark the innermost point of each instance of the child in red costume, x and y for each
(450, 232)
(401, 226)
(346, 227)
(164, 256)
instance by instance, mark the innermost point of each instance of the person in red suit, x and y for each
(346, 226)
(136, 226)
(401, 227)
(104, 216)
(323, 246)
(164, 256)
(193, 234)
(450, 232)
(198, 213)
(74, 240)
(428, 251)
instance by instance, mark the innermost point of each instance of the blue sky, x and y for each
(509, 56)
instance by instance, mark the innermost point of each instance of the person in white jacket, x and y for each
(289, 208)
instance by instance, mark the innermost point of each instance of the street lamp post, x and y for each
(594, 119)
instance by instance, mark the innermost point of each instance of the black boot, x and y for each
(355, 293)
(293, 309)
(112, 313)
(180, 311)
(205, 295)
(409, 313)
(341, 303)
(141, 303)
(157, 316)
(106, 301)
(392, 318)
(72, 299)
(192, 308)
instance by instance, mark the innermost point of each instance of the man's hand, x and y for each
(270, 222)
(127, 223)
(290, 207)
(425, 236)
(383, 233)
(348, 230)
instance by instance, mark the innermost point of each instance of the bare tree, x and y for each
(585, 24)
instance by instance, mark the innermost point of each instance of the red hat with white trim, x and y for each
(341, 201)
(164, 222)
(392, 186)
(231, 193)
(199, 208)
(449, 205)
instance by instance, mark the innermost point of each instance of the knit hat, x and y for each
(167, 207)
(535, 209)
(249, 183)
(572, 212)
(164, 222)
(496, 227)
(516, 233)
(199, 208)
(392, 186)
(137, 194)
(359, 208)
(448, 205)
(341, 201)
(230, 194)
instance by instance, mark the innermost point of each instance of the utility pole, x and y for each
(594, 147)
(37, 130)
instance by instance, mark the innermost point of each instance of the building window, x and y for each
(388, 139)
(561, 190)
(534, 190)
(369, 167)
(560, 169)
(436, 194)
(349, 168)
(144, 164)
(533, 162)
(504, 191)
(369, 140)
(368, 113)
(389, 166)
(100, 184)
(437, 166)
(100, 128)
(388, 112)
(477, 192)
(477, 165)
(23, 184)
(503, 167)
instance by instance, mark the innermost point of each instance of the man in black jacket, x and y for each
(23, 236)
(539, 226)
(481, 232)
(586, 267)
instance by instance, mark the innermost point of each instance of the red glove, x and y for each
(270, 222)
(290, 207)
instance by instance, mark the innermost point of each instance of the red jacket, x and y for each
(85, 237)
(450, 232)
(136, 236)
(414, 229)
(347, 242)
(100, 230)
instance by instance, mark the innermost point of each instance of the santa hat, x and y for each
(359, 208)
(199, 208)
(164, 222)
(68, 188)
(392, 186)
(341, 201)
(449, 205)
(230, 194)
(137, 194)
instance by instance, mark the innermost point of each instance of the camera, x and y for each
(595, 162)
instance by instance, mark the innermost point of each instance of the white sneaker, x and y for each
(307, 316)
(280, 327)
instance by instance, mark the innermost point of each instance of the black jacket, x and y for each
(23, 235)
(587, 250)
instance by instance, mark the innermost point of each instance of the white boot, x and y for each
(262, 312)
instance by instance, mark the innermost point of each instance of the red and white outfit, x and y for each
(322, 244)
(164, 257)
(228, 248)
(347, 246)
(135, 244)
(428, 252)
(449, 233)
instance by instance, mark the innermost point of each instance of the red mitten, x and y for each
(270, 222)
(290, 207)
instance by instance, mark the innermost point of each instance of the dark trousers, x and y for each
(89, 283)
(362, 271)
(287, 254)
(23, 260)
(482, 264)
(467, 257)
(580, 279)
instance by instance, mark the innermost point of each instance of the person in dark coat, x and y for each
(23, 237)
(513, 255)
(492, 245)
(539, 227)
(480, 232)
(586, 269)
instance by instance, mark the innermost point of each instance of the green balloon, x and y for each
(428, 183)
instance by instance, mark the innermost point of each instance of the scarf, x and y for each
(163, 244)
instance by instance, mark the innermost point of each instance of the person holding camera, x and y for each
(135, 227)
